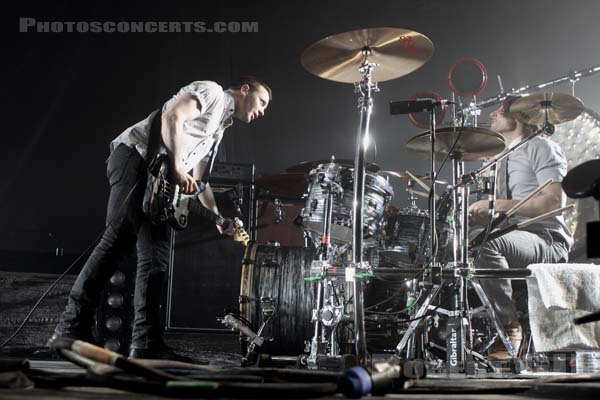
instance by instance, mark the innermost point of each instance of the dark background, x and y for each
(67, 95)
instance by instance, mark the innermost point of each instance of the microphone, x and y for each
(416, 105)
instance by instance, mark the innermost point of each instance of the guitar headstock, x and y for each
(239, 233)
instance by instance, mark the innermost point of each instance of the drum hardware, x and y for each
(572, 76)
(460, 345)
(328, 310)
(253, 340)
(278, 211)
(365, 57)
(459, 144)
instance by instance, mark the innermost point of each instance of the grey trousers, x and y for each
(516, 249)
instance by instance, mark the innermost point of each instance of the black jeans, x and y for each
(127, 228)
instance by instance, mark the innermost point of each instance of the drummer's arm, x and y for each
(550, 198)
(547, 161)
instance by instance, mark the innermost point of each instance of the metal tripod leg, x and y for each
(494, 317)
(416, 320)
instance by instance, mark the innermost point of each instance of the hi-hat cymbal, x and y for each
(307, 166)
(289, 186)
(559, 107)
(396, 52)
(473, 143)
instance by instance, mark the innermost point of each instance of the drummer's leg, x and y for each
(516, 249)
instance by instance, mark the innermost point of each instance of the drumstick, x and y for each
(545, 215)
(420, 182)
(521, 203)
(499, 218)
(522, 224)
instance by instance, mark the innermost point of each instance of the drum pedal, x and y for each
(234, 322)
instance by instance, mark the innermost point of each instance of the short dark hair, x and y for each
(506, 103)
(251, 81)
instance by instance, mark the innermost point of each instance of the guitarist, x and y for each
(187, 129)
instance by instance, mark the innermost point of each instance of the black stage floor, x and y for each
(221, 351)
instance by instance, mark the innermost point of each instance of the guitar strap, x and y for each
(154, 143)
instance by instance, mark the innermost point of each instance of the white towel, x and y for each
(557, 294)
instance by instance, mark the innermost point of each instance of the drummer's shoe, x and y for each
(514, 332)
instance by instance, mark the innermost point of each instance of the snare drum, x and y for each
(378, 193)
(406, 238)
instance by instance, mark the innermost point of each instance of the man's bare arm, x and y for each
(207, 197)
(184, 109)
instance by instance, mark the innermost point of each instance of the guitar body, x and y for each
(165, 202)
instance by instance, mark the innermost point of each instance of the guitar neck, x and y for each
(196, 207)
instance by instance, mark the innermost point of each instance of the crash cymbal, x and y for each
(289, 186)
(396, 52)
(405, 175)
(532, 109)
(307, 166)
(473, 144)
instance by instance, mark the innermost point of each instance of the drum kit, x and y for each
(357, 240)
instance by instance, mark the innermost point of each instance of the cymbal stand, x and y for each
(431, 286)
(359, 269)
(412, 197)
(328, 312)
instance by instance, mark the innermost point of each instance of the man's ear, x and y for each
(245, 89)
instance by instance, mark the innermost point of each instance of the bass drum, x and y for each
(277, 273)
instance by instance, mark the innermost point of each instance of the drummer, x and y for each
(547, 241)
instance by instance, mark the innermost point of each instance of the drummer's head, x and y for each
(251, 97)
(502, 122)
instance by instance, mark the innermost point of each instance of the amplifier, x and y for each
(240, 173)
(205, 267)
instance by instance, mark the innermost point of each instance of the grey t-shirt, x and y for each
(528, 167)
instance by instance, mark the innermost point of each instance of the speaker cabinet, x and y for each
(205, 267)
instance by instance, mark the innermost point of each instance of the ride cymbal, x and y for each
(473, 143)
(396, 52)
(558, 107)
